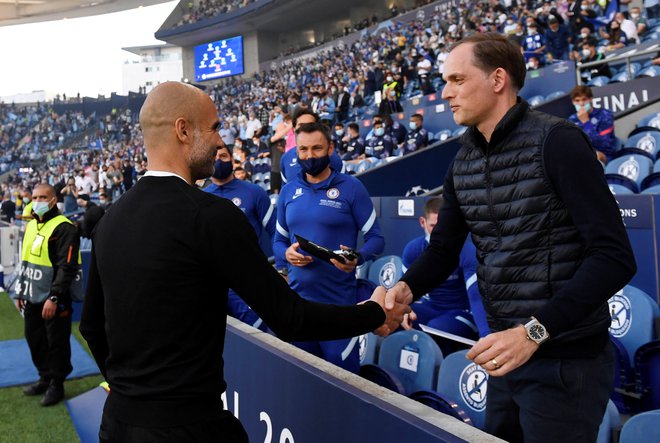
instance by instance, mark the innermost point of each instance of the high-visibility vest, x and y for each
(36, 272)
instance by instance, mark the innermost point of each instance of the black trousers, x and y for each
(225, 428)
(48, 341)
(551, 400)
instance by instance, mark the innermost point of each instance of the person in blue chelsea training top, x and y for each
(330, 209)
(255, 204)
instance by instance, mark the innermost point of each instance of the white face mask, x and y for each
(390, 79)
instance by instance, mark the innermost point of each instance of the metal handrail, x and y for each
(626, 56)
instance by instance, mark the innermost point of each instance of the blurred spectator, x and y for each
(380, 145)
(628, 27)
(588, 54)
(418, 137)
(616, 38)
(228, 134)
(8, 208)
(91, 216)
(597, 123)
(557, 39)
(354, 143)
(534, 43)
(641, 23)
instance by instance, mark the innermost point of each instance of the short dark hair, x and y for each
(432, 206)
(354, 126)
(491, 50)
(303, 111)
(419, 116)
(581, 90)
(308, 128)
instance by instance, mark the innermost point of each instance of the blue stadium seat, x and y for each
(633, 315)
(386, 271)
(350, 168)
(369, 347)
(536, 100)
(442, 404)
(634, 167)
(465, 383)
(554, 95)
(611, 421)
(443, 135)
(651, 190)
(362, 166)
(382, 377)
(413, 357)
(362, 271)
(651, 71)
(646, 141)
(652, 119)
(623, 188)
(652, 36)
(621, 77)
(647, 372)
(601, 80)
(257, 178)
(459, 131)
(641, 428)
(624, 389)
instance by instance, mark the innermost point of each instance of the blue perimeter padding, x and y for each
(86, 411)
(16, 366)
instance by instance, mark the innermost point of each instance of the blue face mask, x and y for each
(222, 169)
(412, 125)
(339, 132)
(40, 208)
(379, 131)
(587, 107)
(314, 165)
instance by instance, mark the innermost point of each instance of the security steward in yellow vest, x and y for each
(49, 277)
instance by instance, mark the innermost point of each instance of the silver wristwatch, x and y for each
(536, 331)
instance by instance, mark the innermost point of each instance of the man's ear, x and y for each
(500, 80)
(183, 130)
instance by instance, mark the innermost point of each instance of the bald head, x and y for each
(43, 192)
(167, 103)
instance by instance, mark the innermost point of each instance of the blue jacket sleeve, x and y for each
(468, 263)
(365, 217)
(266, 213)
(601, 133)
(281, 239)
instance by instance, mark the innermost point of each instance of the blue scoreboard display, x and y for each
(219, 59)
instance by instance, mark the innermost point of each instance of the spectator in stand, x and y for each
(641, 23)
(588, 54)
(8, 209)
(91, 217)
(338, 139)
(343, 103)
(628, 27)
(253, 125)
(424, 67)
(354, 143)
(380, 145)
(597, 123)
(260, 149)
(127, 174)
(418, 137)
(228, 134)
(616, 38)
(534, 43)
(557, 39)
(70, 193)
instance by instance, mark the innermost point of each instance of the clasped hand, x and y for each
(393, 315)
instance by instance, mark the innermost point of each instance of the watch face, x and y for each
(537, 332)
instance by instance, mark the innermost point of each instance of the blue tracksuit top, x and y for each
(330, 213)
(289, 166)
(252, 200)
(460, 290)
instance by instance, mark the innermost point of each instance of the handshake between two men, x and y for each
(498, 353)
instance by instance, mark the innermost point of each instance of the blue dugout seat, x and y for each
(611, 422)
(642, 427)
(628, 169)
(645, 141)
(624, 390)
(369, 348)
(413, 357)
(386, 271)
(633, 315)
(442, 404)
(647, 374)
(466, 383)
(652, 119)
(382, 377)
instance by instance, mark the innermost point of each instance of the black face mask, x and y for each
(314, 165)
(222, 169)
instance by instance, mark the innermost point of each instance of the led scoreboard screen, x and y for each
(219, 59)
